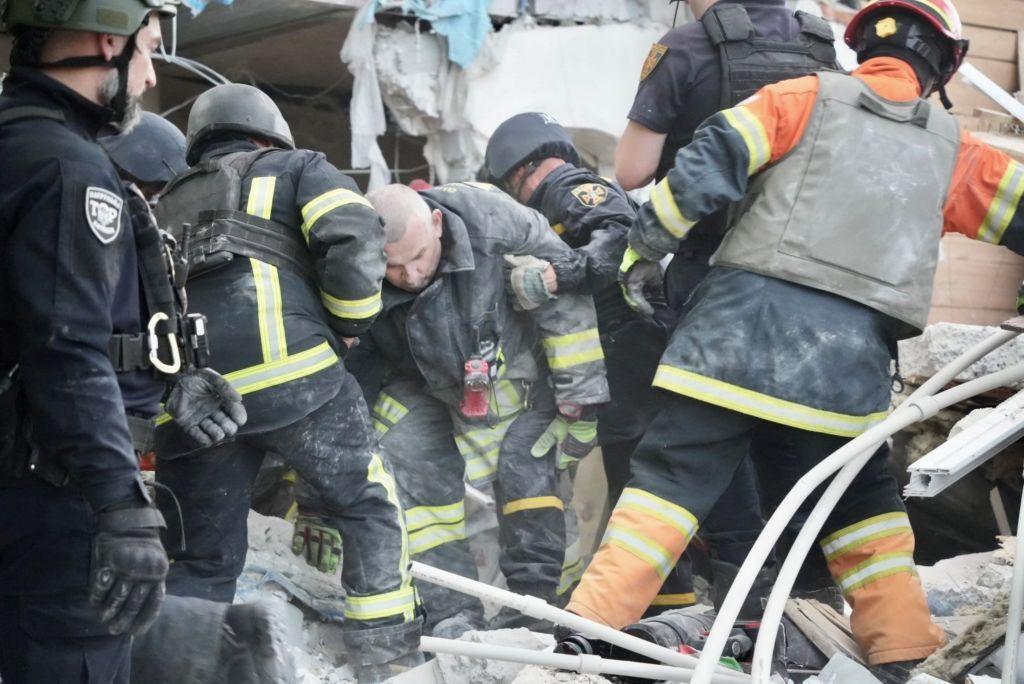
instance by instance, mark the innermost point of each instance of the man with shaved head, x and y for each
(468, 393)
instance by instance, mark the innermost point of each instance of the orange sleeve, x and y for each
(783, 109)
(985, 194)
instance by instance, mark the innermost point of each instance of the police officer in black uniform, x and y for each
(696, 69)
(81, 563)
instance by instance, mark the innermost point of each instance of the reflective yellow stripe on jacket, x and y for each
(277, 372)
(352, 309)
(1004, 204)
(573, 349)
(320, 206)
(386, 413)
(753, 403)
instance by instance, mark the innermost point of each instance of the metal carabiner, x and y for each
(154, 346)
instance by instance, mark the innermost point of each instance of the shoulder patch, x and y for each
(590, 194)
(654, 57)
(103, 213)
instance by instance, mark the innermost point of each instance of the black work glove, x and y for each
(129, 564)
(206, 406)
(637, 274)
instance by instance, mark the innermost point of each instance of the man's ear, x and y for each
(109, 45)
(436, 222)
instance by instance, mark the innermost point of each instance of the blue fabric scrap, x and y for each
(465, 23)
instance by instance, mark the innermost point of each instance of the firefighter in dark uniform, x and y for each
(288, 258)
(734, 48)
(533, 158)
(192, 640)
(81, 563)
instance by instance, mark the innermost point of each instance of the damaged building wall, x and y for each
(457, 110)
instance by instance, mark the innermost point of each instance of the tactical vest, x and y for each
(748, 62)
(219, 231)
(855, 209)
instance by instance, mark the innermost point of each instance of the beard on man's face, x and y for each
(133, 107)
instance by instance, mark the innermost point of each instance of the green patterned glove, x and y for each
(575, 437)
(318, 541)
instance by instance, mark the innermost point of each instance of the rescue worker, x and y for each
(192, 640)
(463, 362)
(532, 157)
(150, 155)
(813, 285)
(695, 70)
(288, 258)
(81, 564)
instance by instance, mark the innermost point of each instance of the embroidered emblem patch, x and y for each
(658, 51)
(103, 213)
(590, 194)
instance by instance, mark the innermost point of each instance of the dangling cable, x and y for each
(177, 504)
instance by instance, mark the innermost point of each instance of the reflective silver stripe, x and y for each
(398, 602)
(315, 209)
(668, 212)
(1004, 204)
(566, 351)
(270, 311)
(854, 536)
(284, 370)
(875, 569)
(261, 197)
(388, 409)
(760, 405)
(667, 512)
(754, 137)
(644, 548)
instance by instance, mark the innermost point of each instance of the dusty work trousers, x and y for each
(334, 450)
(430, 473)
(49, 631)
(681, 468)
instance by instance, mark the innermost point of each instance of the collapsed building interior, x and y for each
(388, 98)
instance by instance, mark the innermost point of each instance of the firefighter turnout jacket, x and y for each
(821, 274)
(285, 255)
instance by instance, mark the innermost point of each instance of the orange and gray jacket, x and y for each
(846, 182)
(466, 310)
(285, 255)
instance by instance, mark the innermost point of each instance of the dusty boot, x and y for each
(454, 626)
(251, 650)
(379, 653)
(753, 606)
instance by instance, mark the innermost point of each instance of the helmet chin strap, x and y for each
(121, 62)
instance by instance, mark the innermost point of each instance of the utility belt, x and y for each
(222, 235)
(19, 453)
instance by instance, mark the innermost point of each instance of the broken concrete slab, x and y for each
(459, 669)
(532, 674)
(966, 585)
(924, 355)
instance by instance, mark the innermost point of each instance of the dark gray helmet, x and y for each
(525, 138)
(239, 108)
(152, 152)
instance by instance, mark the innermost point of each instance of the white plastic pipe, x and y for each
(992, 90)
(539, 609)
(584, 664)
(1013, 613)
(764, 648)
(918, 403)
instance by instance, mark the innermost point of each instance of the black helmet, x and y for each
(153, 152)
(239, 108)
(524, 138)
